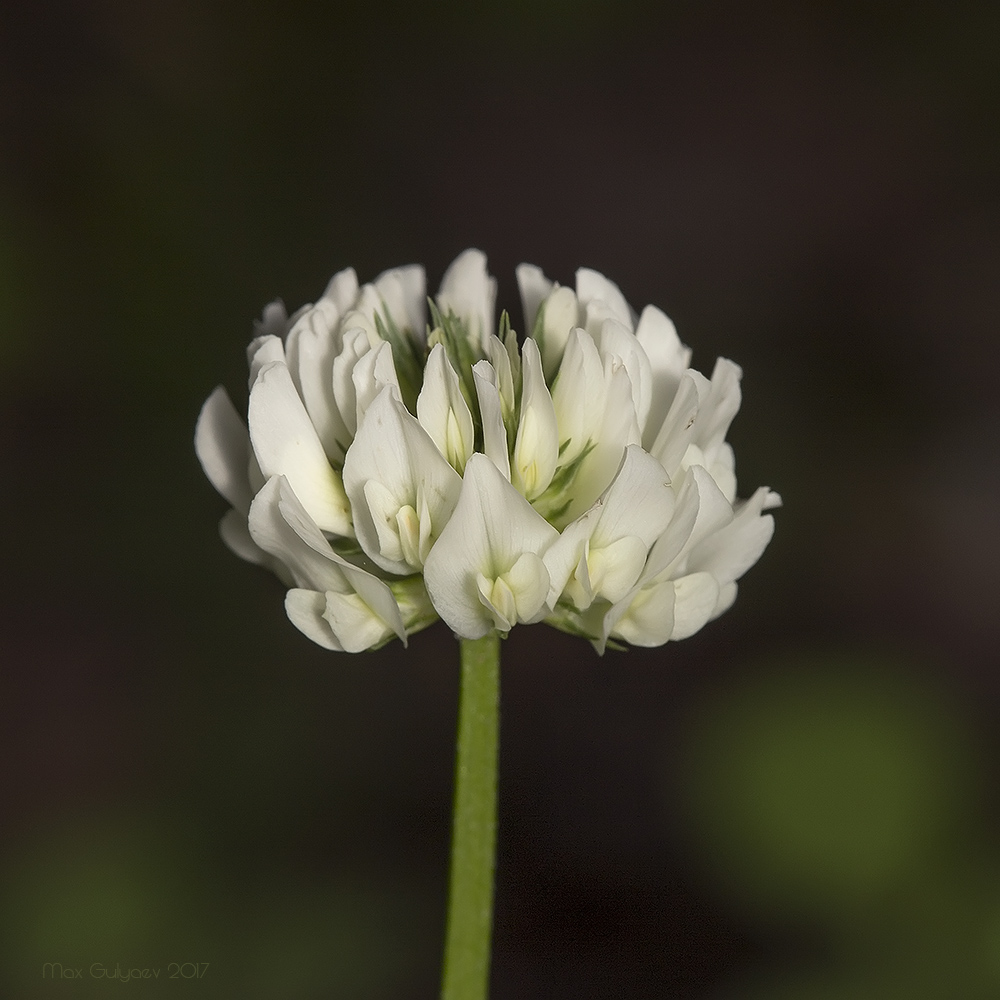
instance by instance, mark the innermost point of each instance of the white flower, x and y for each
(401, 463)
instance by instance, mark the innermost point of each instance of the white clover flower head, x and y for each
(401, 463)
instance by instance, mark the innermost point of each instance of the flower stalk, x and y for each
(474, 822)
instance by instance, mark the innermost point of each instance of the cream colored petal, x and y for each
(491, 411)
(286, 444)
(647, 620)
(469, 291)
(392, 450)
(696, 598)
(342, 291)
(443, 412)
(404, 292)
(534, 287)
(306, 611)
(592, 286)
(491, 528)
(312, 348)
(222, 444)
(536, 448)
(262, 351)
(272, 533)
(617, 341)
(678, 429)
(668, 360)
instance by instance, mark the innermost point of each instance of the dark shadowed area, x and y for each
(798, 803)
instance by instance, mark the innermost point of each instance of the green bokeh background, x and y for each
(798, 802)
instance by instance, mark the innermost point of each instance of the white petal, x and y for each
(678, 428)
(273, 321)
(638, 504)
(306, 610)
(565, 553)
(286, 444)
(697, 595)
(591, 286)
(270, 530)
(701, 509)
(504, 372)
(443, 412)
(529, 582)
(491, 528)
(578, 395)
(668, 360)
(534, 287)
(312, 347)
(355, 346)
(222, 443)
(354, 623)
(719, 407)
(640, 501)
(491, 411)
(617, 430)
(342, 290)
(617, 341)
(562, 315)
(392, 450)
(613, 569)
(536, 448)
(297, 534)
(729, 552)
(374, 371)
(362, 316)
(404, 292)
(469, 292)
(727, 597)
(262, 351)
(648, 620)
(234, 532)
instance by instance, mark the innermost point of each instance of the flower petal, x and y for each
(592, 286)
(491, 528)
(696, 598)
(236, 536)
(534, 287)
(719, 407)
(491, 411)
(282, 526)
(356, 345)
(678, 427)
(404, 292)
(443, 412)
(648, 620)
(373, 372)
(342, 290)
(392, 451)
(273, 534)
(306, 611)
(469, 291)
(312, 347)
(286, 444)
(729, 552)
(222, 444)
(618, 341)
(617, 430)
(701, 509)
(263, 351)
(668, 360)
(640, 501)
(578, 394)
(536, 448)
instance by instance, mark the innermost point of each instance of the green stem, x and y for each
(474, 826)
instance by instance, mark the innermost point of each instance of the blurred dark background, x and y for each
(800, 801)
